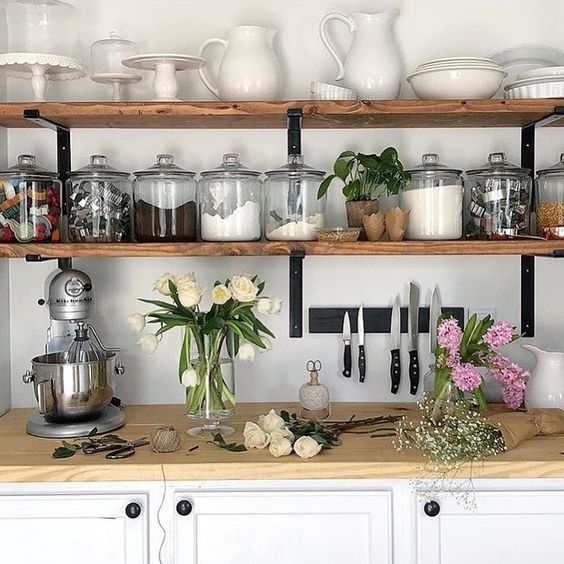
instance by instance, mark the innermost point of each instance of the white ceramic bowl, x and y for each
(458, 60)
(326, 91)
(464, 83)
(458, 66)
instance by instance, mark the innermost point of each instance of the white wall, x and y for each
(426, 29)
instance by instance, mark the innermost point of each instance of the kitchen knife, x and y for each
(395, 343)
(434, 315)
(347, 359)
(413, 332)
(361, 355)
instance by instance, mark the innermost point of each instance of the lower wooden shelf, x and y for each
(61, 250)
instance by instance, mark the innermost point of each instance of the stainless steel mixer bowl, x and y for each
(68, 392)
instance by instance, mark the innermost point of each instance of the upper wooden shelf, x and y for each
(61, 250)
(258, 115)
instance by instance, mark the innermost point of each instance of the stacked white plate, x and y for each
(456, 78)
(546, 82)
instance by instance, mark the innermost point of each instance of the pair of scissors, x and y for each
(313, 365)
(116, 450)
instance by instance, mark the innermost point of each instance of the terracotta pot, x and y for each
(358, 209)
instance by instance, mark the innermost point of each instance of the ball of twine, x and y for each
(165, 439)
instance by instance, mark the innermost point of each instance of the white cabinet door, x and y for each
(505, 527)
(71, 529)
(287, 527)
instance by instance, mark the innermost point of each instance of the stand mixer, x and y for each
(73, 381)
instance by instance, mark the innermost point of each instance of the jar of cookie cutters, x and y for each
(99, 199)
(30, 203)
(550, 201)
(497, 199)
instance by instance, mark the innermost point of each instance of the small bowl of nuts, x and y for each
(338, 234)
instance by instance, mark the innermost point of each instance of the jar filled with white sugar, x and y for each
(434, 197)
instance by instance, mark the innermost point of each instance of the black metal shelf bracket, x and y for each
(296, 294)
(295, 131)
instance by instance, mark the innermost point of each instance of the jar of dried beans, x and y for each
(550, 201)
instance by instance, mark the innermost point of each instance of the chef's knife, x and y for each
(395, 343)
(347, 360)
(413, 332)
(434, 315)
(361, 355)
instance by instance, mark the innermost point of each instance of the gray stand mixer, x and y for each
(74, 381)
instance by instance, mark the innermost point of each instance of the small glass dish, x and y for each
(338, 234)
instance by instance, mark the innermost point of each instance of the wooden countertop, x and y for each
(28, 459)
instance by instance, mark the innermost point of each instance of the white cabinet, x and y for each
(281, 527)
(517, 527)
(72, 528)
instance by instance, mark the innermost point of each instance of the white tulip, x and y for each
(221, 294)
(137, 322)
(189, 378)
(255, 437)
(243, 289)
(276, 306)
(190, 294)
(161, 284)
(246, 352)
(148, 343)
(269, 306)
(180, 279)
(306, 447)
(280, 447)
(271, 422)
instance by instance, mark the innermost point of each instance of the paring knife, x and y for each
(413, 332)
(361, 354)
(395, 343)
(347, 359)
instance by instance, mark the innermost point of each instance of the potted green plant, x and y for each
(365, 179)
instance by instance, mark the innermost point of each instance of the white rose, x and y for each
(243, 289)
(221, 294)
(190, 294)
(271, 422)
(306, 447)
(189, 378)
(180, 279)
(161, 284)
(254, 436)
(280, 447)
(246, 352)
(269, 306)
(148, 343)
(284, 433)
(137, 322)
(267, 344)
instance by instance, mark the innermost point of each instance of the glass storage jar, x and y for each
(165, 202)
(498, 199)
(30, 203)
(98, 203)
(230, 202)
(550, 201)
(434, 197)
(292, 210)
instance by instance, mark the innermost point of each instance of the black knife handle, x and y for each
(361, 364)
(347, 360)
(413, 372)
(395, 370)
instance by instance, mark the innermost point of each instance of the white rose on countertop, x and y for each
(246, 352)
(161, 284)
(284, 433)
(137, 322)
(254, 436)
(280, 446)
(269, 306)
(271, 422)
(148, 343)
(306, 447)
(243, 289)
(180, 279)
(189, 378)
(221, 294)
(190, 294)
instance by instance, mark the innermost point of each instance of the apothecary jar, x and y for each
(550, 201)
(292, 210)
(229, 198)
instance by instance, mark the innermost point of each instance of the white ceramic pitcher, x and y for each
(546, 387)
(372, 67)
(249, 69)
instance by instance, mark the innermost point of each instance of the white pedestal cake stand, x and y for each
(165, 85)
(118, 79)
(39, 68)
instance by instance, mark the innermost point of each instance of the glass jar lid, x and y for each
(498, 165)
(232, 167)
(164, 168)
(430, 166)
(98, 168)
(556, 170)
(295, 167)
(114, 41)
(27, 167)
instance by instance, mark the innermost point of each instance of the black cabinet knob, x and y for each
(432, 508)
(133, 510)
(184, 507)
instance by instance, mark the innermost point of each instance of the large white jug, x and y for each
(546, 387)
(372, 67)
(249, 69)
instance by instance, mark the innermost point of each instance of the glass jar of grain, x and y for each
(550, 201)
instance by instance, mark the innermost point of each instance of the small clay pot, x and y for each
(358, 209)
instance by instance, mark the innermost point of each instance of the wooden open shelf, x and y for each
(61, 250)
(317, 114)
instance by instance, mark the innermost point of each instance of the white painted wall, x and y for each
(426, 29)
